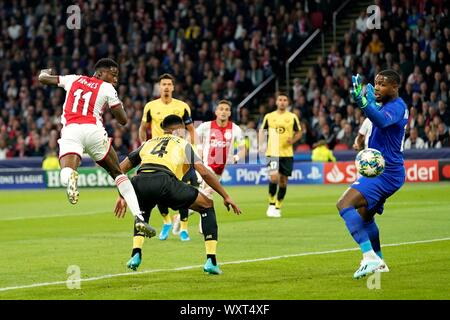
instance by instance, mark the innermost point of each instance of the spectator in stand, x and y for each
(443, 135)
(414, 141)
(148, 40)
(432, 142)
(375, 46)
(361, 22)
(3, 148)
(348, 137)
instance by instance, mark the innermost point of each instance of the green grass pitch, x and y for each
(296, 257)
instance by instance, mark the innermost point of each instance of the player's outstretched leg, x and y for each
(347, 205)
(69, 176)
(71, 184)
(111, 164)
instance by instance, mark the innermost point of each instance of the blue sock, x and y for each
(374, 236)
(355, 226)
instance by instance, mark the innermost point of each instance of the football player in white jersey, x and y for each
(83, 130)
(216, 142)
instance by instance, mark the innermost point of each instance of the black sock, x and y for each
(136, 250)
(213, 258)
(281, 193)
(184, 213)
(272, 190)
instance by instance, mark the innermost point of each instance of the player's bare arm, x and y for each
(212, 181)
(240, 154)
(192, 135)
(126, 165)
(297, 136)
(359, 142)
(143, 131)
(262, 140)
(119, 114)
(46, 77)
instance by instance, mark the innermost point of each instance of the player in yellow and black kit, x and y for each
(154, 113)
(163, 162)
(283, 128)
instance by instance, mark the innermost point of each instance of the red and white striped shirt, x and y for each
(217, 143)
(86, 99)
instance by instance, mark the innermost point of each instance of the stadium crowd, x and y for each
(218, 50)
(215, 49)
(414, 40)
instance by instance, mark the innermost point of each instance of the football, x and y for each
(369, 163)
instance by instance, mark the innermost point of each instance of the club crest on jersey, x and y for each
(227, 135)
(280, 130)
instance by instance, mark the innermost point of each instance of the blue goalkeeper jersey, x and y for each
(388, 131)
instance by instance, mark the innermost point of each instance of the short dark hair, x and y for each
(106, 63)
(391, 75)
(171, 120)
(167, 76)
(223, 101)
(282, 93)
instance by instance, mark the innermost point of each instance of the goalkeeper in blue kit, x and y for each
(366, 196)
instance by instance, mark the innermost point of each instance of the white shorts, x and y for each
(84, 138)
(205, 188)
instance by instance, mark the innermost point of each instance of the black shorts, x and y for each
(160, 188)
(283, 165)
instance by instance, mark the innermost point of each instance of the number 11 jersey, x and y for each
(86, 99)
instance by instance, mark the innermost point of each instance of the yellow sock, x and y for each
(138, 242)
(278, 204)
(272, 198)
(183, 225)
(211, 246)
(167, 219)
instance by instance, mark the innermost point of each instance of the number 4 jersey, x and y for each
(86, 99)
(167, 153)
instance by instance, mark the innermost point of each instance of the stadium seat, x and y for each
(317, 19)
(302, 147)
(340, 147)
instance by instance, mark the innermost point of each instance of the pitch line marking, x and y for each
(108, 276)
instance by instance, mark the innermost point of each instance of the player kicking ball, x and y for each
(163, 162)
(366, 196)
(83, 130)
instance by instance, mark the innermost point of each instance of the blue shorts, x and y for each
(376, 190)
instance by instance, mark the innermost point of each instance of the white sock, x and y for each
(127, 191)
(64, 176)
(371, 255)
